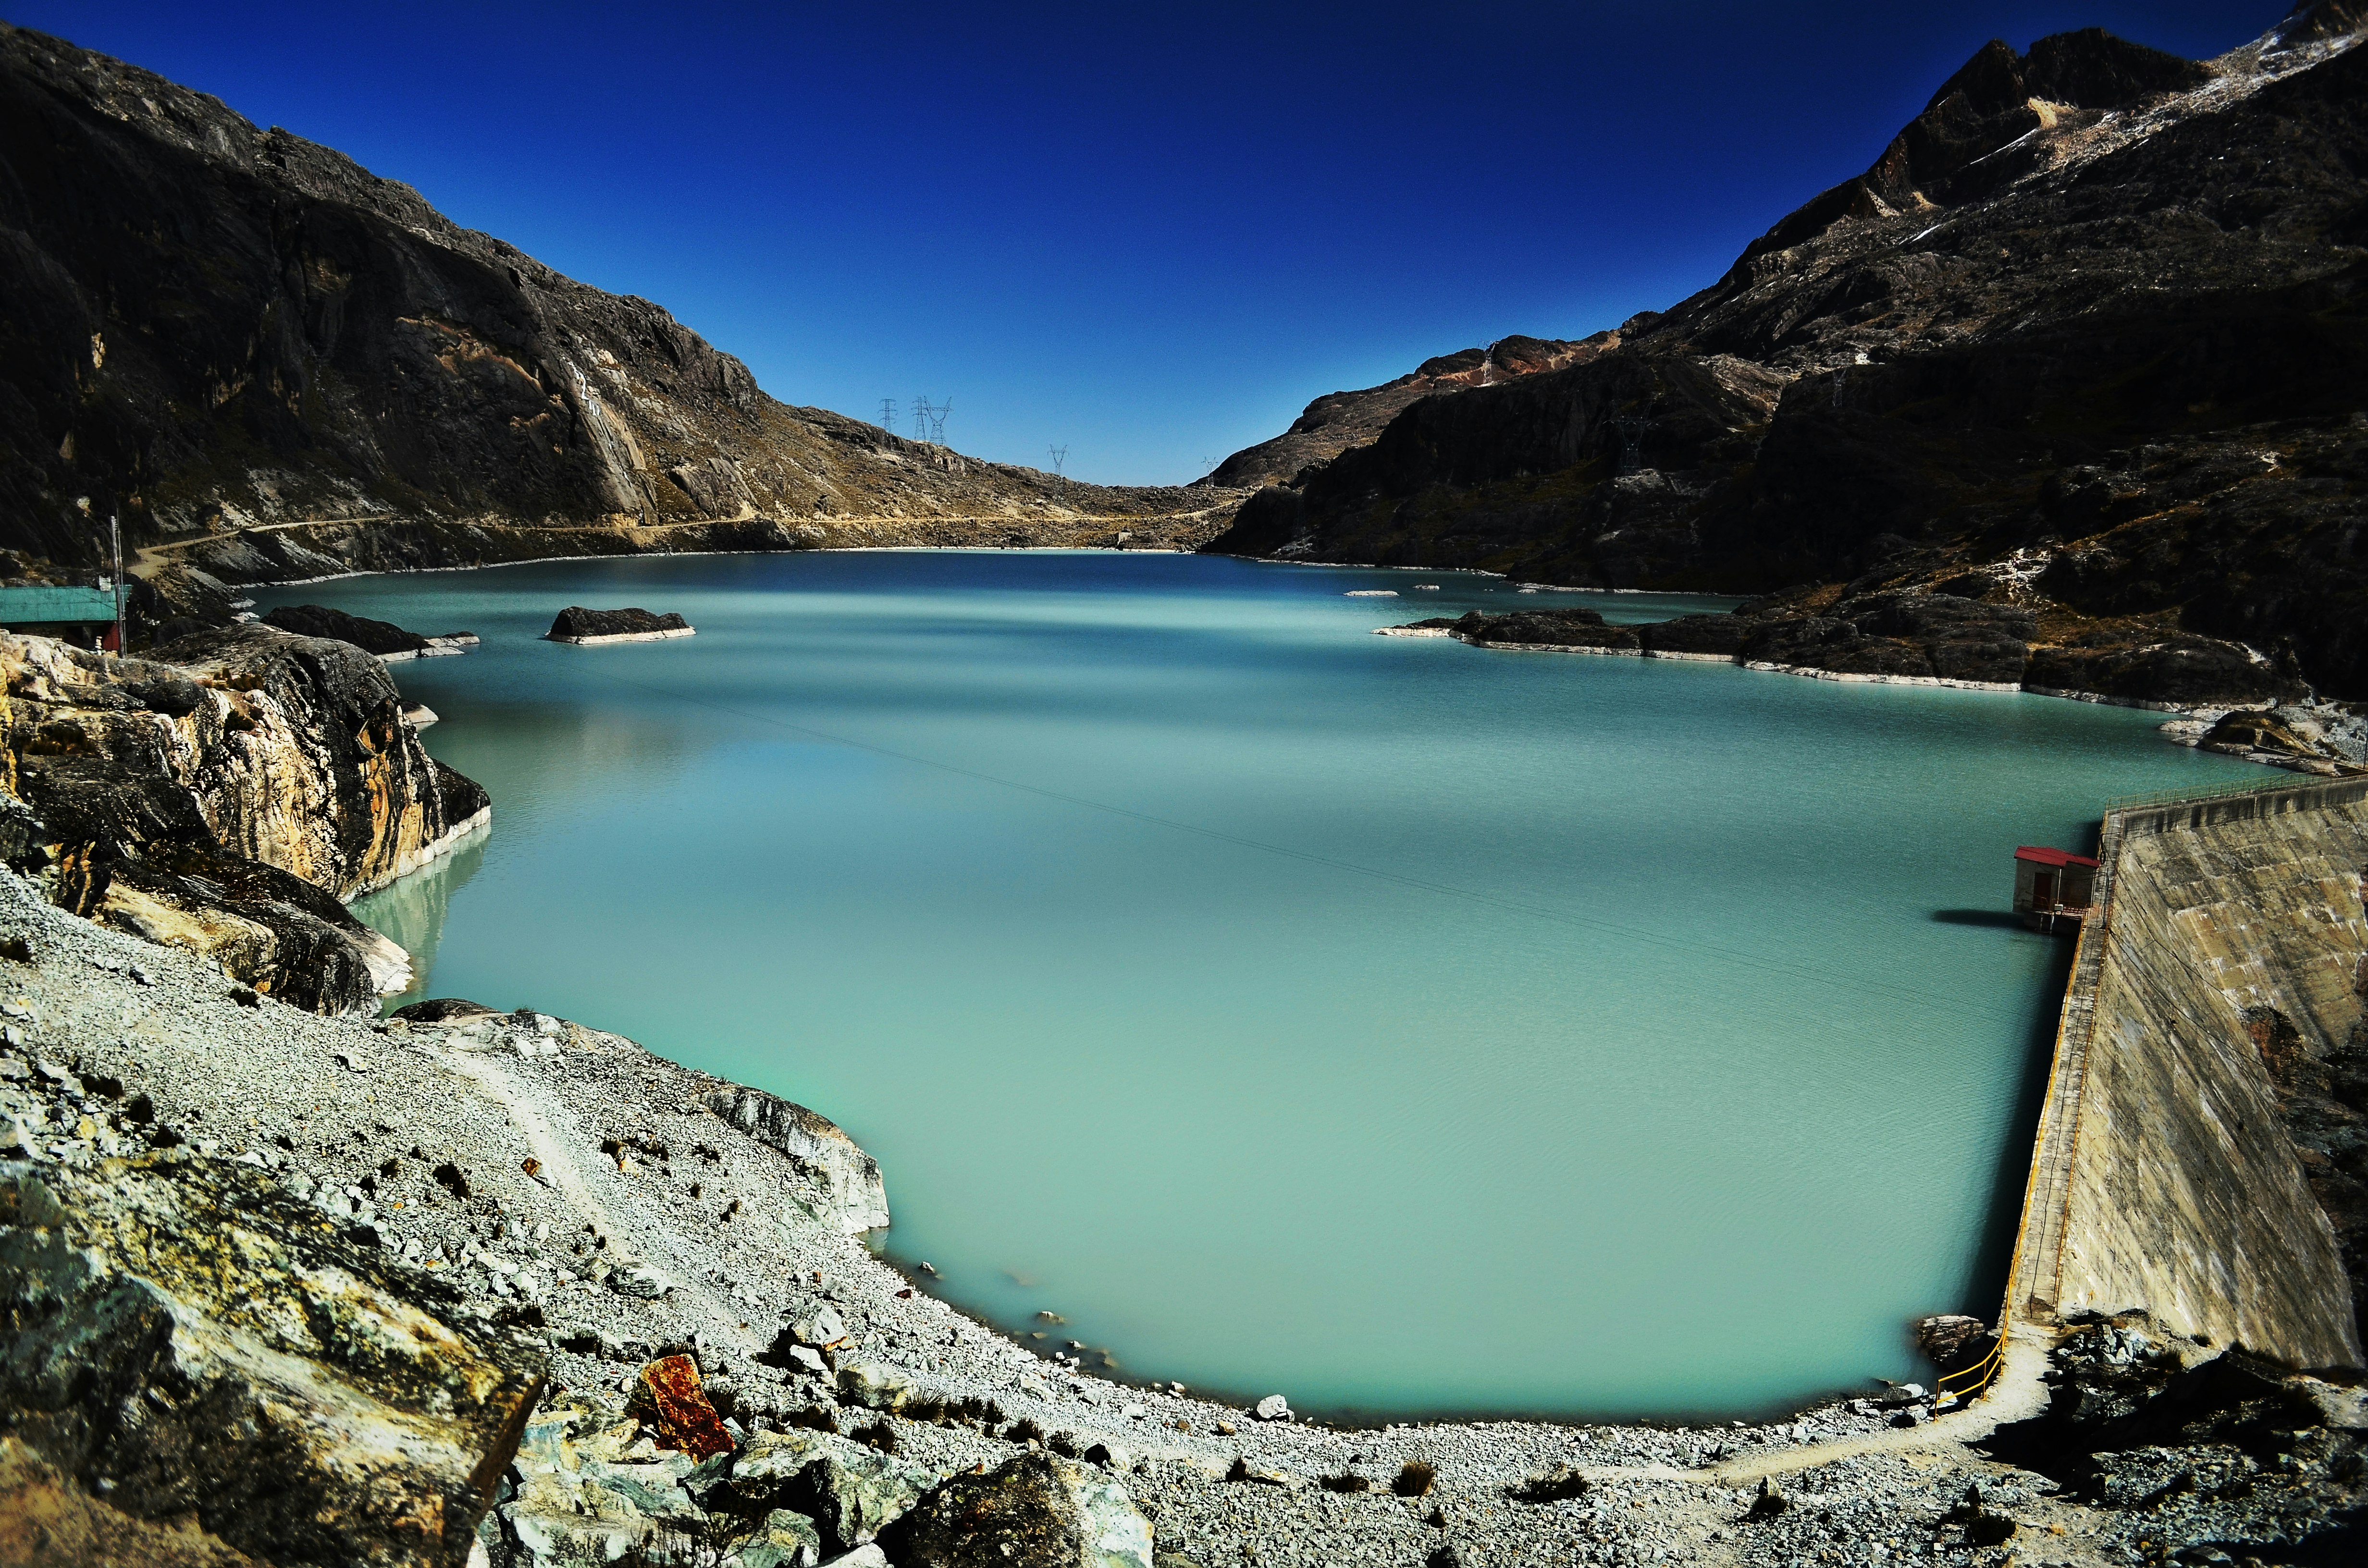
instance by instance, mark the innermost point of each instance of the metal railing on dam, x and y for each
(2162, 1178)
(2234, 789)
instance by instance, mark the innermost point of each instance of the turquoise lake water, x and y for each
(1399, 1026)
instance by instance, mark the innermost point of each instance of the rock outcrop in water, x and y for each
(576, 624)
(379, 637)
(224, 332)
(226, 797)
(387, 640)
(2087, 341)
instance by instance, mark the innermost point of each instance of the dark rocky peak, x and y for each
(1990, 83)
(2092, 69)
(1997, 101)
(2100, 363)
(2088, 69)
(2322, 21)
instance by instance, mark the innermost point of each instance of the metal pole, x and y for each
(115, 545)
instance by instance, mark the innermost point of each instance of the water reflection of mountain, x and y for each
(411, 911)
(531, 755)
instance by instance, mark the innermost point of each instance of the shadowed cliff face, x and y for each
(2088, 338)
(215, 327)
(226, 800)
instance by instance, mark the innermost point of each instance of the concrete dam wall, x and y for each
(2165, 1178)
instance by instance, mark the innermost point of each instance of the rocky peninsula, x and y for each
(2227, 697)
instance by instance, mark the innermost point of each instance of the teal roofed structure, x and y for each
(56, 609)
(47, 602)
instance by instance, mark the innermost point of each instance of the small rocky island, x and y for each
(586, 627)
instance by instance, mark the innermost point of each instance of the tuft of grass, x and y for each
(1415, 1479)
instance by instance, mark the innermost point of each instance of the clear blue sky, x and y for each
(1150, 232)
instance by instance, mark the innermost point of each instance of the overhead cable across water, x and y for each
(1624, 929)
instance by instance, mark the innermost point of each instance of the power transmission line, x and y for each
(1832, 976)
(929, 419)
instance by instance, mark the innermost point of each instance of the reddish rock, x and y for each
(678, 1406)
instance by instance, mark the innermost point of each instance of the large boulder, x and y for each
(781, 1540)
(875, 1385)
(271, 929)
(672, 1394)
(848, 1191)
(188, 1341)
(1032, 1511)
(1953, 1341)
(574, 1500)
(850, 1492)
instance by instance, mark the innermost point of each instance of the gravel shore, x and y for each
(574, 1183)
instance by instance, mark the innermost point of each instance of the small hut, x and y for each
(82, 615)
(2052, 887)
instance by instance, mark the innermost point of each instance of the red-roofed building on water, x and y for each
(2052, 888)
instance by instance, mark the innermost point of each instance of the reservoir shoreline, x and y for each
(494, 1087)
(1694, 1478)
(500, 980)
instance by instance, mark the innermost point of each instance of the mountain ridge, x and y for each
(1338, 420)
(217, 329)
(2058, 375)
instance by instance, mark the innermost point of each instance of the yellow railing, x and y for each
(1975, 1380)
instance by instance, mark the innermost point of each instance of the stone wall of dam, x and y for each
(2227, 962)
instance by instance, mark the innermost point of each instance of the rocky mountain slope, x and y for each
(230, 334)
(1337, 421)
(2086, 341)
